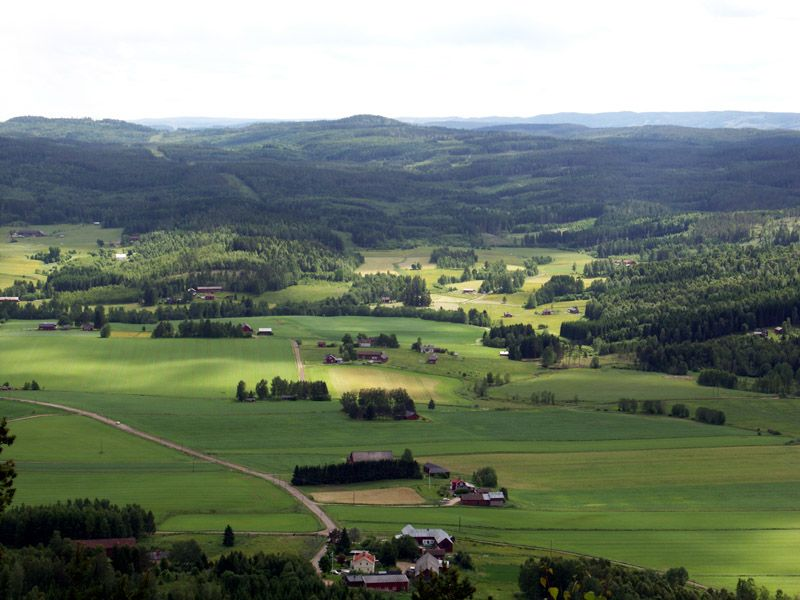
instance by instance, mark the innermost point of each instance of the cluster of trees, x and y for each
(343, 473)
(376, 403)
(373, 288)
(555, 578)
(709, 415)
(717, 378)
(199, 329)
(707, 295)
(523, 342)
(454, 258)
(678, 410)
(497, 279)
(481, 386)
(52, 255)
(281, 388)
(558, 287)
(76, 519)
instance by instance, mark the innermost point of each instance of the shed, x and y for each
(435, 470)
(389, 582)
(427, 565)
(246, 328)
(372, 356)
(265, 331)
(370, 456)
(47, 326)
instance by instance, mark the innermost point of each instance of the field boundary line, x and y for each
(327, 523)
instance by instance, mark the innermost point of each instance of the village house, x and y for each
(483, 499)
(574, 310)
(365, 342)
(435, 470)
(373, 356)
(363, 562)
(330, 359)
(246, 329)
(457, 485)
(389, 582)
(370, 456)
(435, 541)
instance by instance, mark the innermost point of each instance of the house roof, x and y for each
(364, 556)
(427, 562)
(359, 456)
(381, 578)
(438, 534)
(434, 469)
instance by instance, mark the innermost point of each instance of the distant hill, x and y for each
(704, 120)
(173, 123)
(82, 130)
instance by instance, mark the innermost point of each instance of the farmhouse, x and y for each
(432, 359)
(468, 291)
(247, 329)
(507, 315)
(9, 298)
(47, 326)
(436, 541)
(384, 582)
(370, 456)
(265, 331)
(365, 342)
(483, 499)
(207, 289)
(330, 359)
(574, 310)
(375, 356)
(435, 470)
(460, 484)
(363, 562)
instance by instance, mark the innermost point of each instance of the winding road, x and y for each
(327, 523)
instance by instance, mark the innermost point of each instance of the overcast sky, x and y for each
(303, 59)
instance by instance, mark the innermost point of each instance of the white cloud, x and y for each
(322, 59)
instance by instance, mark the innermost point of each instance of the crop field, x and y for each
(379, 496)
(60, 457)
(653, 491)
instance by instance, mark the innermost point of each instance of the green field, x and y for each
(653, 491)
(60, 457)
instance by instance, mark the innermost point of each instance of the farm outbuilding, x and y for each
(369, 456)
(484, 499)
(435, 470)
(435, 541)
(265, 331)
(389, 582)
(375, 356)
(47, 326)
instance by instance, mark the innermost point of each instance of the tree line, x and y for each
(281, 388)
(344, 473)
(377, 403)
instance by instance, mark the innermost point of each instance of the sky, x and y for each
(308, 59)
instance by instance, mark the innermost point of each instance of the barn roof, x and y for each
(359, 456)
(438, 534)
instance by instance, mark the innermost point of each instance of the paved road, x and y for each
(301, 370)
(327, 523)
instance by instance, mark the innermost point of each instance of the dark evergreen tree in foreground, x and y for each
(228, 538)
(7, 472)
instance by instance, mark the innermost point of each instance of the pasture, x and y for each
(14, 256)
(60, 457)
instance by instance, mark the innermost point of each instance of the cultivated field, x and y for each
(380, 496)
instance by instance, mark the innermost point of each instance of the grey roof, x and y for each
(427, 562)
(358, 456)
(438, 534)
(382, 578)
(434, 469)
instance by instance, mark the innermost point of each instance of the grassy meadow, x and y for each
(60, 456)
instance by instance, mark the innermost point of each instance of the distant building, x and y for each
(375, 356)
(9, 298)
(432, 359)
(427, 565)
(574, 310)
(27, 233)
(330, 359)
(370, 456)
(389, 582)
(547, 311)
(435, 470)
(435, 541)
(365, 342)
(321, 344)
(265, 331)
(247, 329)
(87, 327)
(47, 326)
(205, 289)
(121, 256)
(483, 499)
(363, 562)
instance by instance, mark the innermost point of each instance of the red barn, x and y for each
(389, 582)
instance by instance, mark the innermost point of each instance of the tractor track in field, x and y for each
(301, 370)
(327, 523)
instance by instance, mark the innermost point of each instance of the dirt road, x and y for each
(301, 370)
(327, 523)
